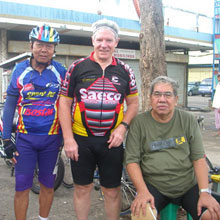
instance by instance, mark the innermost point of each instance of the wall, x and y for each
(198, 74)
(177, 71)
(66, 54)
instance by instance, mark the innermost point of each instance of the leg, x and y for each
(217, 120)
(160, 200)
(24, 170)
(47, 157)
(110, 171)
(206, 215)
(81, 200)
(112, 202)
(45, 200)
(83, 173)
(21, 201)
(190, 201)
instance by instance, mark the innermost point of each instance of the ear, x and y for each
(117, 40)
(176, 98)
(92, 40)
(31, 45)
(150, 99)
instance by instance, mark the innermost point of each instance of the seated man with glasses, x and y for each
(164, 157)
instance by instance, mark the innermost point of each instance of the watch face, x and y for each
(206, 190)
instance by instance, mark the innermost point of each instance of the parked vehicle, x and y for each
(205, 87)
(193, 88)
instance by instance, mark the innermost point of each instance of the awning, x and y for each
(9, 64)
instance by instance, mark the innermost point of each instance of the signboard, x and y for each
(125, 54)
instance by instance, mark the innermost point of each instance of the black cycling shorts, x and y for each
(188, 201)
(93, 151)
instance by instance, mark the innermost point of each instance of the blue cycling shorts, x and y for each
(33, 149)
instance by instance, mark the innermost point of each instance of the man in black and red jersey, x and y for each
(93, 120)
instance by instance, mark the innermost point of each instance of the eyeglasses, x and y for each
(166, 95)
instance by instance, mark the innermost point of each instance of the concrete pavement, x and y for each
(62, 208)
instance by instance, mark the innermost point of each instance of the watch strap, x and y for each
(205, 190)
(125, 124)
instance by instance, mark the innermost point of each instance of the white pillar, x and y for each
(3, 56)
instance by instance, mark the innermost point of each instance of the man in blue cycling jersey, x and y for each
(34, 89)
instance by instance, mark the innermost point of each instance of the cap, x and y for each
(104, 23)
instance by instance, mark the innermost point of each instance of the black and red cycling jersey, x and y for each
(98, 94)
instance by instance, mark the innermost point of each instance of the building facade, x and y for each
(73, 22)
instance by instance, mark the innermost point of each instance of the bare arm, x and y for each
(205, 199)
(118, 134)
(201, 171)
(70, 145)
(143, 195)
(132, 108)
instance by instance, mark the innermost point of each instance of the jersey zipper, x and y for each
(103, 89)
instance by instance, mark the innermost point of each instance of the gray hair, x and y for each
(164, 79)
(107, 24)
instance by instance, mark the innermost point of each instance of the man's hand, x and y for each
(117, 136)
(71, 149)
(140, 203)
(207, 201)
(9, 148)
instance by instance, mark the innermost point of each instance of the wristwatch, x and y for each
(125, 124)
(205, 190)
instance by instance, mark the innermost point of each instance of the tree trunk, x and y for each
(152, 46)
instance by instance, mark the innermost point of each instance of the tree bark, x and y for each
(152, 46)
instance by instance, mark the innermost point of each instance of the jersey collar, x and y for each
(91, 57)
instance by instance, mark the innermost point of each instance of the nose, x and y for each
(162, 98)
(44, 48)
(103, 43)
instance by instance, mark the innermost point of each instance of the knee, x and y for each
(47, 180)
(45, 190)
(23, 182)
(111, 193)
(22, 194)
(82, 190)
(206, 215)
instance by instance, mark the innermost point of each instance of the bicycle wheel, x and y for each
(59, 177)
(128, 193)
(67, 179)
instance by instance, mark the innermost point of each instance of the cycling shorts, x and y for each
(94, 151)
(188, 201)
(33, 149)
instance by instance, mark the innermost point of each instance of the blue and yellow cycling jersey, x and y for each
(37, 97)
